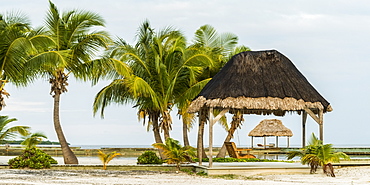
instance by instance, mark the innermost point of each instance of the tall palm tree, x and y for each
(217, 47)
(317, 154)
(33, 139)
(73, 44)
(14, 49)
(150, 74)
(7, 132)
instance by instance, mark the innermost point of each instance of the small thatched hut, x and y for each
(270, 127)
(260, 82)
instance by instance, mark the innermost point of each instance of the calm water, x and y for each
(149, 146)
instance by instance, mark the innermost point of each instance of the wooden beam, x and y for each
(304, 120)
(309, 111)
(222, 113)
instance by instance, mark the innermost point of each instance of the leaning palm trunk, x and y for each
(68, 155)
(58, 86)
(235, 124)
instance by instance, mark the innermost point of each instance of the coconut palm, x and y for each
(317, 154)
(150, 74)
(14, 49)
(7, 132)
(73, 44)
(218, 48)
(106, 158)
(33, 139)
(175, 153)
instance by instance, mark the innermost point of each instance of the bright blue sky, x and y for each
(326, 40)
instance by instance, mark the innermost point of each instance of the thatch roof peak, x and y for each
(252, 78)
(270, 127)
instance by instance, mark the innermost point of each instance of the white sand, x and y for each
(350, 175)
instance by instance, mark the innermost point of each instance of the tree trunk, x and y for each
(235, 123)
(157, 135)
(200, 145)
(166, 134)
(185, 133)
(68, 155)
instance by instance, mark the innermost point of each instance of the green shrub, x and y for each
(32, 158)
(149, 157)
(229, 159)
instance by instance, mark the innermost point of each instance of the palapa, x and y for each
(270, 127)
(260, 82)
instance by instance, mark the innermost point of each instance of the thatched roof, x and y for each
(270, 127)
(260, 82)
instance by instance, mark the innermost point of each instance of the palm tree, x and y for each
(217, 48)
(106, 158)
(33, 139)
(317, 154)
(7, 133)
(15, 46)
(150, 74)
(72, 47)
(175, 153)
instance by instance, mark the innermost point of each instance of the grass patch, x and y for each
(229, 159)
(235, 177)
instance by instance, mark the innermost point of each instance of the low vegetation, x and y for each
(230, 159)
(106, 158)
(149, 157)
(32, 158)
(175, 153)
(317, 154)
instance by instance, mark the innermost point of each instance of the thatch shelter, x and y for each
(262, 83)
(270, 127)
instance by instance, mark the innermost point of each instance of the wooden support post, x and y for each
(199, 148)
(252, 142)
(277, 141)
(288, 142)
(321, 124)
(264, 141)
(304, 119)
(210, 149)
(212, 121)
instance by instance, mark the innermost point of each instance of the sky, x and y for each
(326, 40)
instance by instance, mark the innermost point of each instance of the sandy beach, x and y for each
(348, 175)
(353, 175)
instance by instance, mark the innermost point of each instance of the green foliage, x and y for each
(33, 139)
(221, 160)
(202, 173)
(176, 153)
(190, 172)
(7, 132)
(149, 157)
(106, 158)
(317, 154)
(32, 158)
